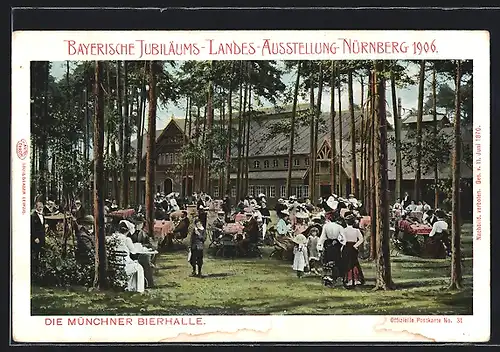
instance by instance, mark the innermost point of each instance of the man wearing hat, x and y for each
(38, 228)
(226, 206)
(280, 207)
(266, 218)
(181, 230)
(85, 240)
(139, 236)
(78, 210)
(218, 224)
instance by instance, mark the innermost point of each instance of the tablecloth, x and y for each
(365, 222)
(233, 228)
(123, 213)
(421, 229)
(163, 228)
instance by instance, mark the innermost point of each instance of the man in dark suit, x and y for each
(202, 206)
(37, 234)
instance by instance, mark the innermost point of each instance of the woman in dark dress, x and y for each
(351, 239)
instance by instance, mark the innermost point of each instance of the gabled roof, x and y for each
(179, 123)
(425, 118)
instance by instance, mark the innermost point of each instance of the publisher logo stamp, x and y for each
(22, 149)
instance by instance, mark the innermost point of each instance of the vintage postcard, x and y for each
(239, 186)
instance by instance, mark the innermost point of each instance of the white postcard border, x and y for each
(51, 46)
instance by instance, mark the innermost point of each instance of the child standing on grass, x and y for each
(312, 250)
(300, 258)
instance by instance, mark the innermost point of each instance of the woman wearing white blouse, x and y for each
(134, 270)
(351, 238)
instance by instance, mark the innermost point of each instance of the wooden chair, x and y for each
(226, 245)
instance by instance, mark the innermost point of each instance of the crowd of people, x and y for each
(407, 212)
(326, 236)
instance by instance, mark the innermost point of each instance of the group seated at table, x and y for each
(426, 235)
(129, 249)
(241, 238)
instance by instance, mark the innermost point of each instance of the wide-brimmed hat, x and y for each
(280, 200)
(138, 219)
(285, 212)
(351, 196)
(302, 215)
(332, 203)
(349, 217)
(87, 220)
(300, 239)
(261, 195)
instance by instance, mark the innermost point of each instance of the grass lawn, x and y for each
(269, 286)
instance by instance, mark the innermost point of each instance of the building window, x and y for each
(256, 164)
(283, 191)
(251, 190)
(296, 162)
(260, 189)
(306, 161)
(272, 192)
(298, 192)
(266, 164)
(216, 192)
(233, 191)
(305, 191)
(285, 162)
(275, 163)
(170, 158)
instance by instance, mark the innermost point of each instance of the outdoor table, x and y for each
(421, 229)
(233, 228)
(123, 213)
(144, 258)
(162, 228)
(365, 222)
(417, 215)
(176, 214)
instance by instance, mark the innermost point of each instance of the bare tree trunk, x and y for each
(43, 158)
(312, 158)
(125, 202)
(100, 279)
(396, 103)
(383, 262)
(456, 265)
(140, 127)
(120, 130)
(361, 140)
(316, 128)
(229, 131)
(341, 140)
(420, 112)
(373, 170)
(292, 133)
(435, 126)
(241, 131)
(354, 176)
(184, 173)
(247, 139)
(209, 122)
(150, 151)
(333, 151)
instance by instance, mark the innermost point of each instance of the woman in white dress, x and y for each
(134, 270)
(300, 258)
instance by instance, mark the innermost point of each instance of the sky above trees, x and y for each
(408, 95)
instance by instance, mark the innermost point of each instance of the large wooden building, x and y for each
(268, 158)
